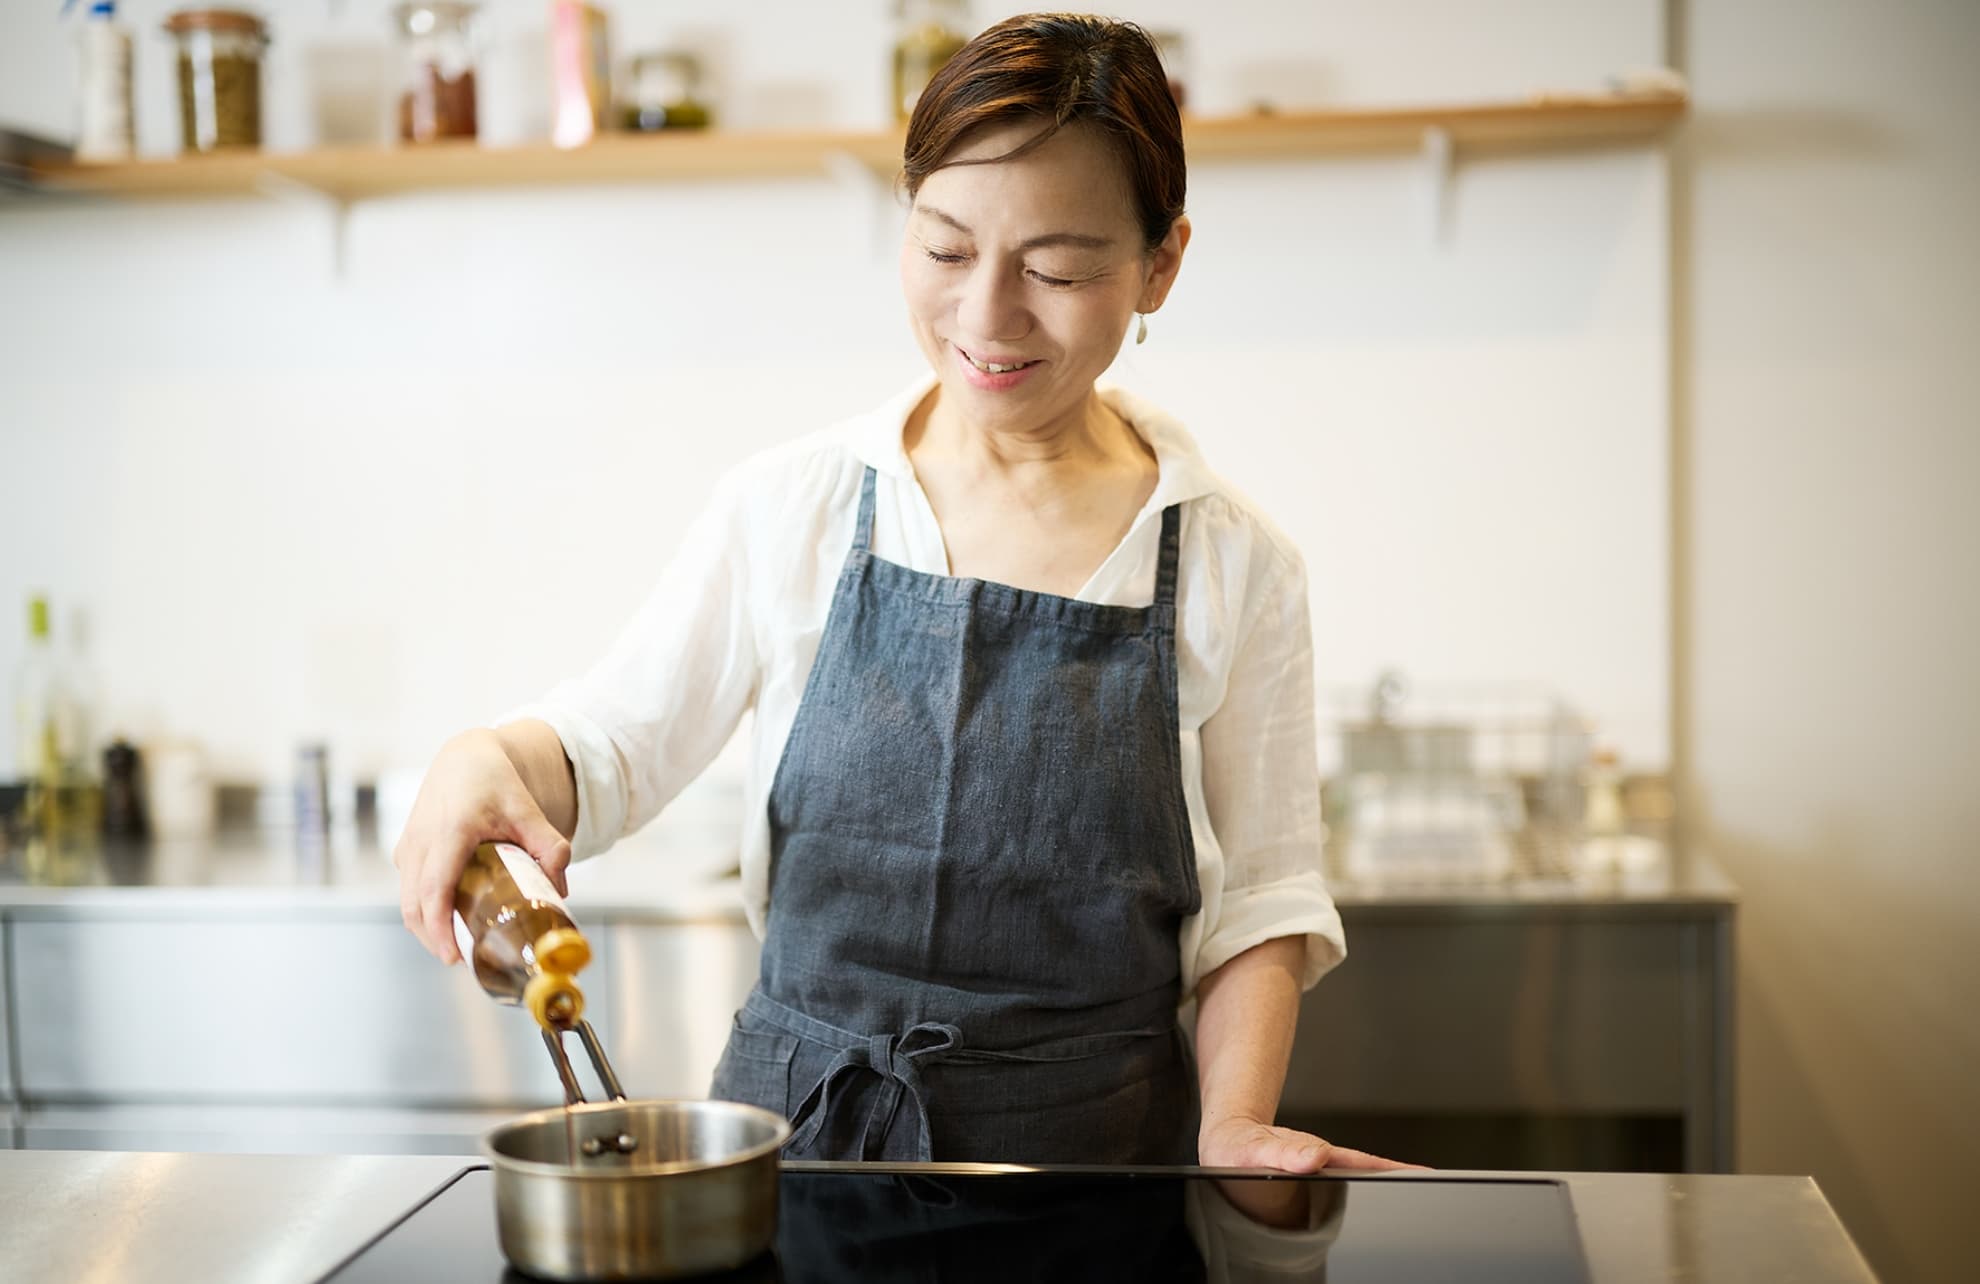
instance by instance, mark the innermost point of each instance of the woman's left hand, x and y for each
(1247, 1143)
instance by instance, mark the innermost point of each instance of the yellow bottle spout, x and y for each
(554, 999)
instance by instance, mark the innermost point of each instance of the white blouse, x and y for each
(735, 620)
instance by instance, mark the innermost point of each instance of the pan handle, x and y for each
(573, 1094)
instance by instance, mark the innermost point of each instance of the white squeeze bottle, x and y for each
(103, 126)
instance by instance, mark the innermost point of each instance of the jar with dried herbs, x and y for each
(219, 57)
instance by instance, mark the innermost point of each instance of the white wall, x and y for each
(385, 505)
(1830, 633)
(381, 506)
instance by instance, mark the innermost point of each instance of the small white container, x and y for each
(103, 126)
(179, 790)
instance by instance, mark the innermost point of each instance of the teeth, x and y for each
(992, 368)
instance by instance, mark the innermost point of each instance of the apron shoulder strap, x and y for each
(1165, 568)
(863, 525)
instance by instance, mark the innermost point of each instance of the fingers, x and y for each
(430, 871)
(410, 855)
(1290, 1150)
(438, 878)
(531, 831)
(470, 793)
(1245, 1144)
(1343, 1157)
(428, 874)
(408, 866)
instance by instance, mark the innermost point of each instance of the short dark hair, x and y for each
(1060, 69)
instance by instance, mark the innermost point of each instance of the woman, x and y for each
(1033, 753)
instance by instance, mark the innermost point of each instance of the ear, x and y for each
(1163, 264)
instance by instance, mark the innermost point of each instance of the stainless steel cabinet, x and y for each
(328, 1029)
(230, 1009)
(325, 1032)
(9, 1129)
(676, 988)
(1540, 1012)
(6, 1018)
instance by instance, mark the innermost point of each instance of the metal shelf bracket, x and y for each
(336, 209)
(883, 212)
(1438, 166)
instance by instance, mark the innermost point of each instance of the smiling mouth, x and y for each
(995, 367)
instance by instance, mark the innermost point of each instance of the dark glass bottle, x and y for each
(515, 933)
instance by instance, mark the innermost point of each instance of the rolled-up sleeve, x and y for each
(1261, 782)
(655, 710)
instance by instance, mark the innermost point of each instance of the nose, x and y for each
(991, 305)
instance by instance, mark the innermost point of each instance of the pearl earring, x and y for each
(1141, 328)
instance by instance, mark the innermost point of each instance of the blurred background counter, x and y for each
(235, 995)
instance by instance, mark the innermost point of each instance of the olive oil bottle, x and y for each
(514, 932)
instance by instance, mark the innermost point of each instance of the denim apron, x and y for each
(980, 862)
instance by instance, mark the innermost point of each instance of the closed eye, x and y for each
(952, 257)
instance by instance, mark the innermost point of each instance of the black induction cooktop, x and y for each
(842, 1223)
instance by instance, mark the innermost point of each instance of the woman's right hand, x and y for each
(472, 794)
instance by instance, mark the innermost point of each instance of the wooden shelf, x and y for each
(1551, 122)
(355, 173)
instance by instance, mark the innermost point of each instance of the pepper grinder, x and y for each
(123, 793)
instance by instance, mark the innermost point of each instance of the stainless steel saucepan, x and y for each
(633, 1189)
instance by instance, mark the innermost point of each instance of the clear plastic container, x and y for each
(219, 58)
(436, 80)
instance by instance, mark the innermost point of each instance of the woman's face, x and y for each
(1021, 275)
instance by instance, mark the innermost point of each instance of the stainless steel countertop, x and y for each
(137, 1218)
(75, 1216)
(1644, 1228)
(658, 879)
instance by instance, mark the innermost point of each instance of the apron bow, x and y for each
(896, 1062)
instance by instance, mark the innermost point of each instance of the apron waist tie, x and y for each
(896, 1061)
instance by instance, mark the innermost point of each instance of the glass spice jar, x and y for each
(219, 57)
(927, 34)
(666, 93)
(436, 87)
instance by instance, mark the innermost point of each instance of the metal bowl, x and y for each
(636, 1189)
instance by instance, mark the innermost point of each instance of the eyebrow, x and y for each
(1076, 240)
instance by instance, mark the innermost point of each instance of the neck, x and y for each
(1089, 434)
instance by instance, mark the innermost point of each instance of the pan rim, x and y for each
(500, 1162)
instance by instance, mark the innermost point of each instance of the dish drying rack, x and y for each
(1451, 783)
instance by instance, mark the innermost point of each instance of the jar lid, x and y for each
(449, 12)
(682, 61)
(214, 20)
